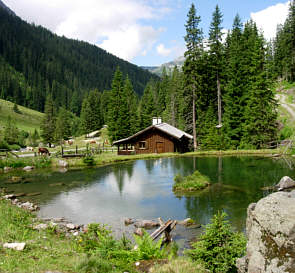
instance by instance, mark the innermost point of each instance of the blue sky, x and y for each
(144, 32)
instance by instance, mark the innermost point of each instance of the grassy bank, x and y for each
(45, 250)
(96, 250)
(93, 251)
(111, 158)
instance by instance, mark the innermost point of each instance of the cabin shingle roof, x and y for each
(164, 127)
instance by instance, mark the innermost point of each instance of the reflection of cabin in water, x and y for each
(157, 138)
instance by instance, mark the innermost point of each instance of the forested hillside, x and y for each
(35, 63)
(224, 94)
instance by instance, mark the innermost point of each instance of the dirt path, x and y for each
(290, 107)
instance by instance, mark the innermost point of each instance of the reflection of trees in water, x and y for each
(237, 182)
(121, 172)
(207, 203)
(52, 183)
(149, 164)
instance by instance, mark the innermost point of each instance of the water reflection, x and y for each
(143, 189)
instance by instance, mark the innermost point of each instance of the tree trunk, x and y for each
(219, 100)
(194, 120)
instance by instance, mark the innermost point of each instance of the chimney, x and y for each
(157, 120)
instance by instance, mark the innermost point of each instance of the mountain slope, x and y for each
(26, 119)
(2, 5)
(55, 65)
(168, 66)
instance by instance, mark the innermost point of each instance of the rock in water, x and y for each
(15, 246)
(28, 168)
(271, 235)
(128, 221)
(63, 163)
(285, 183)
(147, 224)
(139, 232)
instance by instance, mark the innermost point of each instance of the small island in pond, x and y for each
(193, 182)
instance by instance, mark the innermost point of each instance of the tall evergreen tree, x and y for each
(63, 125)
(259, 126)
(132, 101)
(235, 88)
(48, 123)
(118, 109)
(216, 54)
(147, 107)
(194, 46)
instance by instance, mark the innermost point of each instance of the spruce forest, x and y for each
(223, 95)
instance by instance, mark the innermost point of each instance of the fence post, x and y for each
(62, 151)
(76, 149)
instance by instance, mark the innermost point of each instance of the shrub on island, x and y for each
(194, 182)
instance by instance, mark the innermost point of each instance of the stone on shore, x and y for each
(147, 224)
(15, 246)
(271, 235)
(285, 183)
(63, 163)
(28, 168)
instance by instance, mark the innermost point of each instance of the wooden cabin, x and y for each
(157, 138)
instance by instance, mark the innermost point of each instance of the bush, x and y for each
(219, 246)
(14, 147)
(148, 249)
(193, 182)
(89, 160)
(3, 144)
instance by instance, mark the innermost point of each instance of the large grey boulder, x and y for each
(271, 235)
(285, 183)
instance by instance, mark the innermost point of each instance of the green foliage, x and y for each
(147, 249)
(38, 162)
(96, 264)
(192, 79)
(63, 128)
(219, 247)
(284, 47)
(91, 115)
(89, 160)
(193, 182)
(286, 132)
(100, 244)
(48, 122)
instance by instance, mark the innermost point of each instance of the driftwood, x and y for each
(166, 228)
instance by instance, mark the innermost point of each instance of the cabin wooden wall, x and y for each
(157, 142)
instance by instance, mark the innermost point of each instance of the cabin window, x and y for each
(142, 145)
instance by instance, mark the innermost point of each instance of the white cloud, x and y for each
(119, 26)
(268, 19)
(163, 51)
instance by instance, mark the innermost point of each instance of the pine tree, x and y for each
(48, 123)
(216, 55)
(86, 118)
(132, 101)
(235, 87)
(116, 107)
(147, 106)
(194, 46)
(259, 126)
(63, 125)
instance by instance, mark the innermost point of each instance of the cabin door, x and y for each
(160, 147)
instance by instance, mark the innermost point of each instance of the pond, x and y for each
(142, 189)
